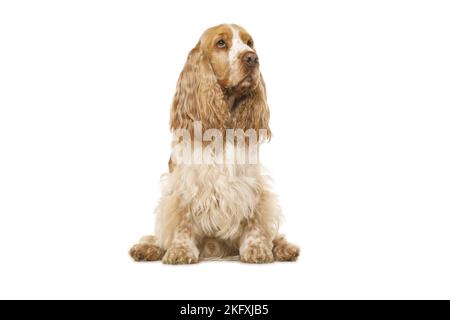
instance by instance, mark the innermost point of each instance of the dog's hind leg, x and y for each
(147, 250)
(283, 250)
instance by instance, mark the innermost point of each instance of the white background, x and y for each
(360, 99)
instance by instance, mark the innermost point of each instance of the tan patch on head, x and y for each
(218, 57)
(245, 37)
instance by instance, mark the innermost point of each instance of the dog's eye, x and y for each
(250, 43)
(221, 44)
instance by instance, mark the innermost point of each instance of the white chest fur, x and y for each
(218, 197)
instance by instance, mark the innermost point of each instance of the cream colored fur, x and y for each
(219, 198)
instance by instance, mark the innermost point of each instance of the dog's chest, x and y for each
(220, 197)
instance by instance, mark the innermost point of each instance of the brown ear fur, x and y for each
(253, 111)
(198, 97)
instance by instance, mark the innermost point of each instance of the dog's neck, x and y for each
(233, 101)
(232, 105)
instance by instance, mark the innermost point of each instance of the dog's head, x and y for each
(232, 56)
(221, 84)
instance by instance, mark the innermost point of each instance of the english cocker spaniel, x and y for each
(216, 202)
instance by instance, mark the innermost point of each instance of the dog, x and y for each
(213, 206)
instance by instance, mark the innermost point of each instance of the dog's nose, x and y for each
(250, 59)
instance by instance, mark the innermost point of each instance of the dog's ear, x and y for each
(253, 112)
(198, 96)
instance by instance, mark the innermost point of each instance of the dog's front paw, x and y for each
(146, 252)
(180, 254)
(257, 254)
(286, 252)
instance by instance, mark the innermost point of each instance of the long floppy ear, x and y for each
(253, 111)
(198, 97)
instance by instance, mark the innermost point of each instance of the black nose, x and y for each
(250, 59)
